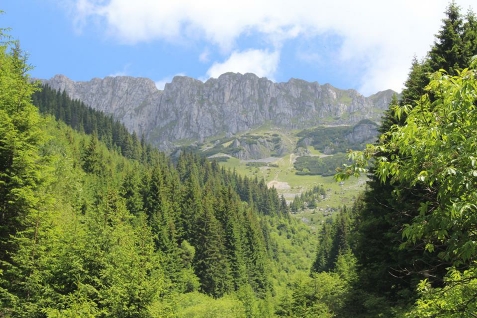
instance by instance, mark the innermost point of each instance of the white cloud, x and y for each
(310, 57)
(204, 57)
(123, 72)
(382, 35)
(160, 84)
(119, 73)
(261, 63)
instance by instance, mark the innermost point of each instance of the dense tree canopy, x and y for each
(435, 151)
(403, 227)
(103, 225)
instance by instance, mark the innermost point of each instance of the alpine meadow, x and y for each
(100, 217)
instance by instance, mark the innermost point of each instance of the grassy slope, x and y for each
(337, 194)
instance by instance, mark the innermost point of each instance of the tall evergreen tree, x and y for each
(449, 50)
(131, 191)
(386, 268)
(191, 201)
(92, 157)
(228, 210)
(210, 262)
(25, 173)
(435, 151)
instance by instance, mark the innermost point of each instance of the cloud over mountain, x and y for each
(379, 36)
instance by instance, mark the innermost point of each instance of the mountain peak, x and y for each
(190, 109)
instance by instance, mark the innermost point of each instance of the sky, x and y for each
(364, 45)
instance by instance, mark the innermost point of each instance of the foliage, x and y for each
(331, 140)
(308, 199)
(321, 295)
(86, 119)
(325, 166)
(106, 226)
(93, 228)
(199, 305)
(435, 151)
(455, 299)
(397, 245)
(334, 242)
(25, 174)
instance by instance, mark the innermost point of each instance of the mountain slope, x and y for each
(188, 109)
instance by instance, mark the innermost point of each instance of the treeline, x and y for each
(327, 291)
(410, 247)
(87, 120)
(87, 232)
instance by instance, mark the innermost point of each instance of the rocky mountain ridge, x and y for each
(188, 109)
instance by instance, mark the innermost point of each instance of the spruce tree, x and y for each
(92, 157)
(448, 52)
(25, 172)
(385, 268)
(228, 210)
(210, 261)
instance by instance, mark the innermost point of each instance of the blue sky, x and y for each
(365, 45)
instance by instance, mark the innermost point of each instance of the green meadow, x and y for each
(280, 173)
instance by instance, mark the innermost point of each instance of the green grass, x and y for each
(345, 99)
(228, 143)
(283, 170)
(337, 194)
(313, 151)
(235, 164)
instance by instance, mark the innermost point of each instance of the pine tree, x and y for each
(227, 207)
(335, 239)
(470, 34)
(435, 151)
(118, 274)
(255, 254)
(414, 88)
(131, 191)
(191, 201)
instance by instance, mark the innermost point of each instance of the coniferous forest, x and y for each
(94, 222)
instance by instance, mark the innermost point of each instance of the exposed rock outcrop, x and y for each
(190, 109)
(247, 149)
(363, 132)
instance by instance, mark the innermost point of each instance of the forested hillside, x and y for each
(94, 222)
(412, 233)
(103, 225)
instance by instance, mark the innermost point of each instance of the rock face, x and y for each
(364, 132)
(130, 100)
(246, 149)
(190, 109)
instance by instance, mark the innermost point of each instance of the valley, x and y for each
(292, 135)
(279, 172)
(220, 197)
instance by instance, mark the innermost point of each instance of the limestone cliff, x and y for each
(190, 109)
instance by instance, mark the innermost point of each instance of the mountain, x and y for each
(188, 109)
